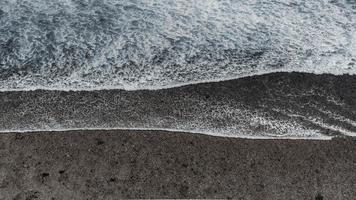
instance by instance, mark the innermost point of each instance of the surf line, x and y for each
(164, 87)
(169, 130)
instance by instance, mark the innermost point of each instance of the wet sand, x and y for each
(153, 164)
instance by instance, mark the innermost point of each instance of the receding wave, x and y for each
(86, 44)
(279, 105)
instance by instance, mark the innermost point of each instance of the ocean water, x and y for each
(153, 44)
(217, 67)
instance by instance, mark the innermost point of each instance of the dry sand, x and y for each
(153, 164)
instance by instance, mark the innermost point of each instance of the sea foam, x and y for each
(109, 44)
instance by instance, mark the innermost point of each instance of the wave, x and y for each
(135, 45)
(131, 88)
(279, 105)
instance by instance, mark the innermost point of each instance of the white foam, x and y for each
(93, 45)
(322, 124)
(314, 137)
(194, 115)
(132, 88)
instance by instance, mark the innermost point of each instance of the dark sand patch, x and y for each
(153, 164)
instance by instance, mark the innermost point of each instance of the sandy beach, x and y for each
(154, 164)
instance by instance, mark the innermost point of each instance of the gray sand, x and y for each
(143, 164)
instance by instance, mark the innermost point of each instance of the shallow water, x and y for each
(281, 105)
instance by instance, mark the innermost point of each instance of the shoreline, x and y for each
(157, 164)
(177, 85)
(174, 131)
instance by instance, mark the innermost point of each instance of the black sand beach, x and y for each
(121, 164)
(153, 164)
(249, 100)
